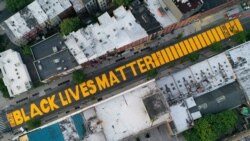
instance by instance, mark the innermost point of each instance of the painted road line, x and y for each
(197, 42)
(183, 48)
(190, 50)
(169, 53)
(216, 36)
(222, 37)
(202, 41)
(174, 52)
(178, 48)
(205, 36)
(191, 41)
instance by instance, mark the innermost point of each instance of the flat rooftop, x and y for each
(55, 64)
(52, 8)
(15, 74)
(71, 128)
(155, 106)
(187, 5)
(110, 33)
(126, 115)
(144, 17)
(224, 98)
(166, 18)
(197, 79)
(47, 47)
(34, 15)
(240, 59)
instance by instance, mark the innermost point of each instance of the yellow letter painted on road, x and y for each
(121, 71)
(44, 105)
(113, 78)
(103, 82)
(34, 111)
(18, 117)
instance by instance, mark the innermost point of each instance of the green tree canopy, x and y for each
(69, 25)
(216, 47)
(16, 5)
(26, 50)
(193, 57)
(79, 76)
(152, 73)
(122, 2)
(212, 126)
(33, 123)
(4, 89)
(240, 37)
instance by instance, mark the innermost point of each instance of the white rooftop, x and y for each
(198, 79)
(240, 57)
(78, 5)
(38, 12)
(15, 74)
(190, 102)
(69, 130)
(181, 117)
(17, 25)
(41, 11)
(95, 137)
(52, 8)
(112, 32)
(166, 19)
(126, 115)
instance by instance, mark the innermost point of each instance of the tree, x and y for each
(241, 37)
(152, 73)
(193, 57)
(33, 123)
(3, 43)
(247, 35)
(16, 5)
(212, 126)
(216, 47)
(122, 2)
(69, 25)
(79, 76)
(4, 89)
(179, 36)
(26, 50)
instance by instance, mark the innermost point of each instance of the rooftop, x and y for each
(155, 106)
(164, 17)
(118, 115)
(52, 8)
(35, 14)
(187, 5)
(197, 79)
(55, 64)
(112, 32)
(52, 45)
(224, 98)
(181, 117)
(240, 60)
(144, 17)
(15, 73)
(52, 57)
(68, 129)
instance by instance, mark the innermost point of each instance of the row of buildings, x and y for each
(34, 20)
(57, 56)
(173, 101)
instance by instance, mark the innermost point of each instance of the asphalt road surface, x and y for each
(130, 80)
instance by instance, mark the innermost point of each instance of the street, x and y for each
(110, 91)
